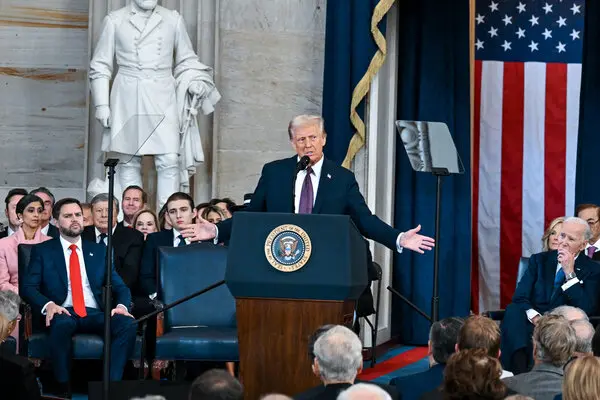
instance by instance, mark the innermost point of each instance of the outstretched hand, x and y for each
(413, 241)
(200, 231)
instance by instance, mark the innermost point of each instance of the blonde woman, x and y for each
(582, 379)
(550, 238)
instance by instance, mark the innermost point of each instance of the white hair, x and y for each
(338, 353)
(275, 396)
(364, 391)
(587, 233)
(9, 304)
(569, 312)
(305, 120)
(584, 333)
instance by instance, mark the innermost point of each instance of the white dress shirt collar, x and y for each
(45, 229)
(66, 244)
(98, 233)
(10, 231)
(176, 239)
(596, 245)
(316, 167)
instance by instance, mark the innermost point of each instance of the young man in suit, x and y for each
(48, 198)
(590, 213)
(11, 200)
(65, 283)
(127, 243)
(134, 199)
(322, 188)
(553, 278)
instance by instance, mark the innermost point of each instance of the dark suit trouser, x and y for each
(516, 343)
(143, 306)
(63, 327)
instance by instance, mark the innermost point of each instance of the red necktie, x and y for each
(76, 286)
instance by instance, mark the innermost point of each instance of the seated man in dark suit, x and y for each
(11, 200)
(134, 200)
(336, 352)
(65, 283)
(590, 213)
(553, 278)
(443, 337)
(127, 243)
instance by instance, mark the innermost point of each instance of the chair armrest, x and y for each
(496, 315)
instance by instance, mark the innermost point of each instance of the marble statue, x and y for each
(158, 88)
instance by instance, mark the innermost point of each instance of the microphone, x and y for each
(302, 164)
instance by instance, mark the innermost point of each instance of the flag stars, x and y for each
(561, 47)
(493, 6)
(506, 45)
(479, 44)
(493, 32)
(561, 22)
(576, 9)
(547, 8)
(521, 8)
(507, 20)
(480, 19)
(533, 46)
(575, 34)
(534, 20)
(547, 34)
(521, 33)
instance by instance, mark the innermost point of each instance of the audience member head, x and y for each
(226, 205)
(473, 374)
(11, 200)
(134, 199)
(443, 336)
(88, 218)
(584, 333)
(570, 313)
(9, 312)
(163, 218)
(213, 214)
(590, 213)
(518, 397)
(69, 218)
(338, 356)
(275, 396)
(479, 332)
(200, 208)
(364, 391)
(554, 340)
(550, 238)
(146, 222)
(313, 338)
(307, 135)
(216, 384)
(574, 235)
(29, 212)
(582, 379)
(100, 211)
(48, 199)
(180, 207)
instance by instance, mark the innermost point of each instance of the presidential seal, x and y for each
(288, 248)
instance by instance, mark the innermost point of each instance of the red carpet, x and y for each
(394, 363)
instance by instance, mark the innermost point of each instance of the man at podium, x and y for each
(309, 183)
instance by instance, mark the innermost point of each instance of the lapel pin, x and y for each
(91, 254)
(328, 176)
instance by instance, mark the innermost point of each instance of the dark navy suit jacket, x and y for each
(412, 387)
(149, 259)
(47, 279)
(337, 194)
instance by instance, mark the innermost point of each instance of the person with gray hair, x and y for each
(554, 343)
(337, 361)
(590, 213)
(17, 374)
(364, 391)
(553, 278)
(570, 313)
(584, 332)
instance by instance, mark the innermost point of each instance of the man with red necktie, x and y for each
(64, 285)
(591, 214)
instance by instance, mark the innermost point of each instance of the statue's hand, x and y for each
(198, 89)
(103, 115)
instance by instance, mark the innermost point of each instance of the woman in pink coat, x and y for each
(29, 209)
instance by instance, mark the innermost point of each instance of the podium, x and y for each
(290, 274)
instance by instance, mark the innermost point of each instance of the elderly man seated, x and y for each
(552, 279)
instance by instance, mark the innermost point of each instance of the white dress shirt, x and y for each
(10, 231)
(45, 229)
(587, 246)
(88, 295)
(531, 313)
(314, 178)
(98, 233)
(176, 238)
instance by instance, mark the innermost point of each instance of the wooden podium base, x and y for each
(273, 342)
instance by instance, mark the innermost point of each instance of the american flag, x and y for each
(527, 80)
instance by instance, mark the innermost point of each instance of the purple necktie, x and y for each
(590, 251)
(306, 196)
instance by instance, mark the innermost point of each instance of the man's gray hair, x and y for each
(9, 304)
(364, 391)
(305, 120)
(339, 354)
(570, 313)
(587, 233)
(103, 197)
(275, 396)
(554, 340)
(584, 333)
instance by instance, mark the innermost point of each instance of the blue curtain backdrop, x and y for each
(349, 47)
(434, 85)
(586, 188)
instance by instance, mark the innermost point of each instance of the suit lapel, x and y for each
(59, 258)
(89, 258)
(325, 181)
(153, 22)
(137, 22)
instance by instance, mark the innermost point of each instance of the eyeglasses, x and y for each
(591, 222)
